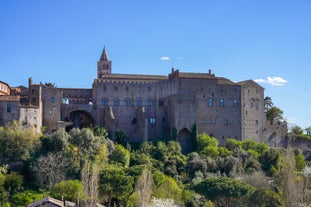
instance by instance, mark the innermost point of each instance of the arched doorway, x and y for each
(80, 119)
(184, 138)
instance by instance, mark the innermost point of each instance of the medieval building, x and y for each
(178, 106)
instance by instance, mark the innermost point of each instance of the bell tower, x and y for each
(103, 65)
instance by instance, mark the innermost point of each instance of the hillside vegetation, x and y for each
(86, 167)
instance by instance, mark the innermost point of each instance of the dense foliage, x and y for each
(85, 166)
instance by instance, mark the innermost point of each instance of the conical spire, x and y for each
(104, 56)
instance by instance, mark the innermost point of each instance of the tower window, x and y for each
(53, 99)
(149, 102)
(127, 102)
(226, 122)
(212, 121)
(152, 120)
(210, 102)
(221, 103)
(116, 102)
(235, 102)
(138, 102)
(104, 102)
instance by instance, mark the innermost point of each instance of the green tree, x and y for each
(17, 142)
(274, 114)
(3, 193)
(174, 161)
(100, 131)
(70, 190)
(300, 162)
(87, 143)
(270, 161)
(58, 141)
(50, 85)
(120, 155)
(267, 103)
(222, 190)
(204, 140)
(115, 184)
(13, 182)
(297, 130)
(195, 163)
(308, 130)
(25, 197)
(166, 187)
(121, 137)
(265, 198)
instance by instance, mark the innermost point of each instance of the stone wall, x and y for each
(252, 107)
(9, 109)
(31, 116)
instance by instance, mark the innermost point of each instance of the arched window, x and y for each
(116, 102)
(150, 102)
(138, 102)
(127, 102)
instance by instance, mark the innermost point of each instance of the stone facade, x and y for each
(148, 106)
(25, 107)
(178, 105)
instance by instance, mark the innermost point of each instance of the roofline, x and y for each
(6, 84)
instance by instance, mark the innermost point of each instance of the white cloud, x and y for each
(165, 58)
(275, 81)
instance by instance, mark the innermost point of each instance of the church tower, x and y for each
(103, 65)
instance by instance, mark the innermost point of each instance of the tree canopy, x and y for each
(222, 190)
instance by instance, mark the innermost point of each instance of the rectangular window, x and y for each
(221, 103)
(8, 108)
(152, 120)
(138, 103)
(149, 103)
(203, 121)
(212, 121)
(210, 102)
(116, 103)
(235, 102)
(53, 99)
(104, 102)
(161, 103)
(127, 102)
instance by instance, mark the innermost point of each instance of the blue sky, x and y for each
(60, 41)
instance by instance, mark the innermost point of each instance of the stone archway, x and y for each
(184, 138)
(81, 119)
